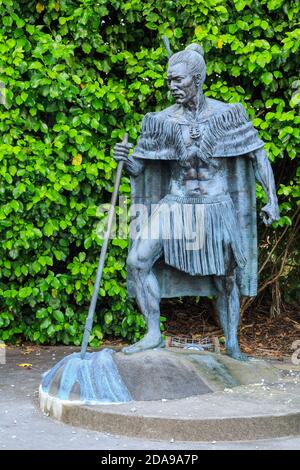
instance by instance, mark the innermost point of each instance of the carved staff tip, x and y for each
(167, 45)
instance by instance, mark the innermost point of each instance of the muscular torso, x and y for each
(209, 181)
(196, 177)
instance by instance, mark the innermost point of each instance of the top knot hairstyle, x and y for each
(192, 56)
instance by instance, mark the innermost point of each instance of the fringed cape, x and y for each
(226, 134)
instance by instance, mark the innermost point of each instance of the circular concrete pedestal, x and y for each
(191, 396)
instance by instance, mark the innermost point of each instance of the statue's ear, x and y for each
(198, 80)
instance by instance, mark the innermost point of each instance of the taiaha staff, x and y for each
(90, 317)
(167, 45)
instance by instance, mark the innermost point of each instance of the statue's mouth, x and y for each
(177, 95)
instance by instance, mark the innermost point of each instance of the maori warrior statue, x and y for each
(194, 170)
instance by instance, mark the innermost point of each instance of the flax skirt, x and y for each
(196, 233)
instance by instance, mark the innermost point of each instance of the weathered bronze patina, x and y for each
(198, 160)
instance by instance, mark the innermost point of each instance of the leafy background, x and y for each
(76, 75)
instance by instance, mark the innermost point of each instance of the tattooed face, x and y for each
(181, 83)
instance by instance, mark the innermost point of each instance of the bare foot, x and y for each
(148, 342)
(235, 353)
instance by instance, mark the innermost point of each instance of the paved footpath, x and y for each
(23, 426)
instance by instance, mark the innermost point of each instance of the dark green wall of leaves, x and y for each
(77, 74)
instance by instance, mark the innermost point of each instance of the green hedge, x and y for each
(77, 74)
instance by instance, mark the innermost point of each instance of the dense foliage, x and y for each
(77, 74)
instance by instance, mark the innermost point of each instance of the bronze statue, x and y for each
(197, 162)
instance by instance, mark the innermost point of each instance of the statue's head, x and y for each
(186, 73)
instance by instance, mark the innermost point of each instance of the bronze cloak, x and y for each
(228, 135)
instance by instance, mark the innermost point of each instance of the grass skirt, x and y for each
(196, 233)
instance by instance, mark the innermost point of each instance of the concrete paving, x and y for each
(23, 426)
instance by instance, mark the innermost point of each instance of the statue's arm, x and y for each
(264, 175)
(134, 166)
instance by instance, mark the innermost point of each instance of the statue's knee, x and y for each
(224, 284)
(132, 261)
(229, 283)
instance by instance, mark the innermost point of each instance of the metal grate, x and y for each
(185, 342)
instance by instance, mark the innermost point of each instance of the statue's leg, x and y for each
(142, 256)
(228, 307)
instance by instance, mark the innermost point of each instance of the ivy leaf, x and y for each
(48, 229)
(108, 318)
(25, 292)
(59, 316)
(39, 7)
(295, 101)
(77, 160)
(267, 77)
